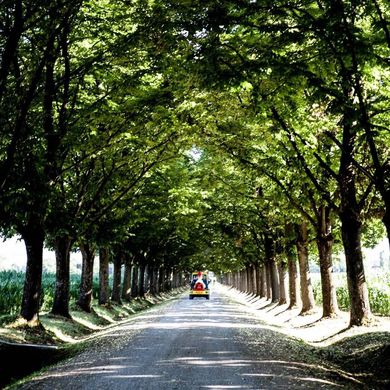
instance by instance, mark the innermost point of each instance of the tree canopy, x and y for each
(190, 132)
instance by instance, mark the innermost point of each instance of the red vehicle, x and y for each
(199, 285)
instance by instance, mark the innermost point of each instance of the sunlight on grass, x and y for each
(84, 371)
(87, 323)
(103, 314)
(62, 336)
(295, 378)
(11, 335)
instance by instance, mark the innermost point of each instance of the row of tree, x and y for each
(84, 120)
(300, 97)
(187, 135)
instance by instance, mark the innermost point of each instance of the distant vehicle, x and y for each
(199, 285)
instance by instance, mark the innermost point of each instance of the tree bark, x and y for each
(282, 266)
(156, 283)
(175, 278)
(141, 282)
(152, 276)
(357, 286)
(167, 279)
(268, 283)
(126, 288)
(86, 286)
(117, 277)
(350, 215)
(249, 277)
(104, 258)
(33, 236)
(386, 217)
(263, 282)
(254, 279)
(274, 282)
(272, 272)
(134, 281)
(325, 244)
(147, 279)
(307, 295)
(62, 246)
(293, 280)
(161, 279)
(258, 271)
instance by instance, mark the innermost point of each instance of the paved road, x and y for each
(192, 344)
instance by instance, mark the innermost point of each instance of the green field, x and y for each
(11, 291)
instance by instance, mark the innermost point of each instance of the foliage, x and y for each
(11, 290)
(378, 291)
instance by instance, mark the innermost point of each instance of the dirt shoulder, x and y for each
(363, 351)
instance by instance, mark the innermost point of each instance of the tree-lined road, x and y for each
(192, 344)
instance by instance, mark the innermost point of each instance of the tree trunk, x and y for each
(86, 286)
(62, 247)
(152, 276)
(126, 289)
(134, 281)
(161, 279)
(104, 259)
(351, 223)
(117, 277)
(263, 282)
(274, 281)
(253, 279)
(325, 244)
(386, 217)
(282, 266)
(350, 209)
(272, 272)
(268, 282)
(243, 280)
(147, 279)
(307, 295)
(293, 281)
(357, 286)
(258, 279)
(249, 279)
(167, 279)
(155, 277)
(33, 237)
(141, 283)
(176, 277)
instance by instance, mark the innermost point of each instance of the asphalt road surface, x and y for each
(193, 344)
